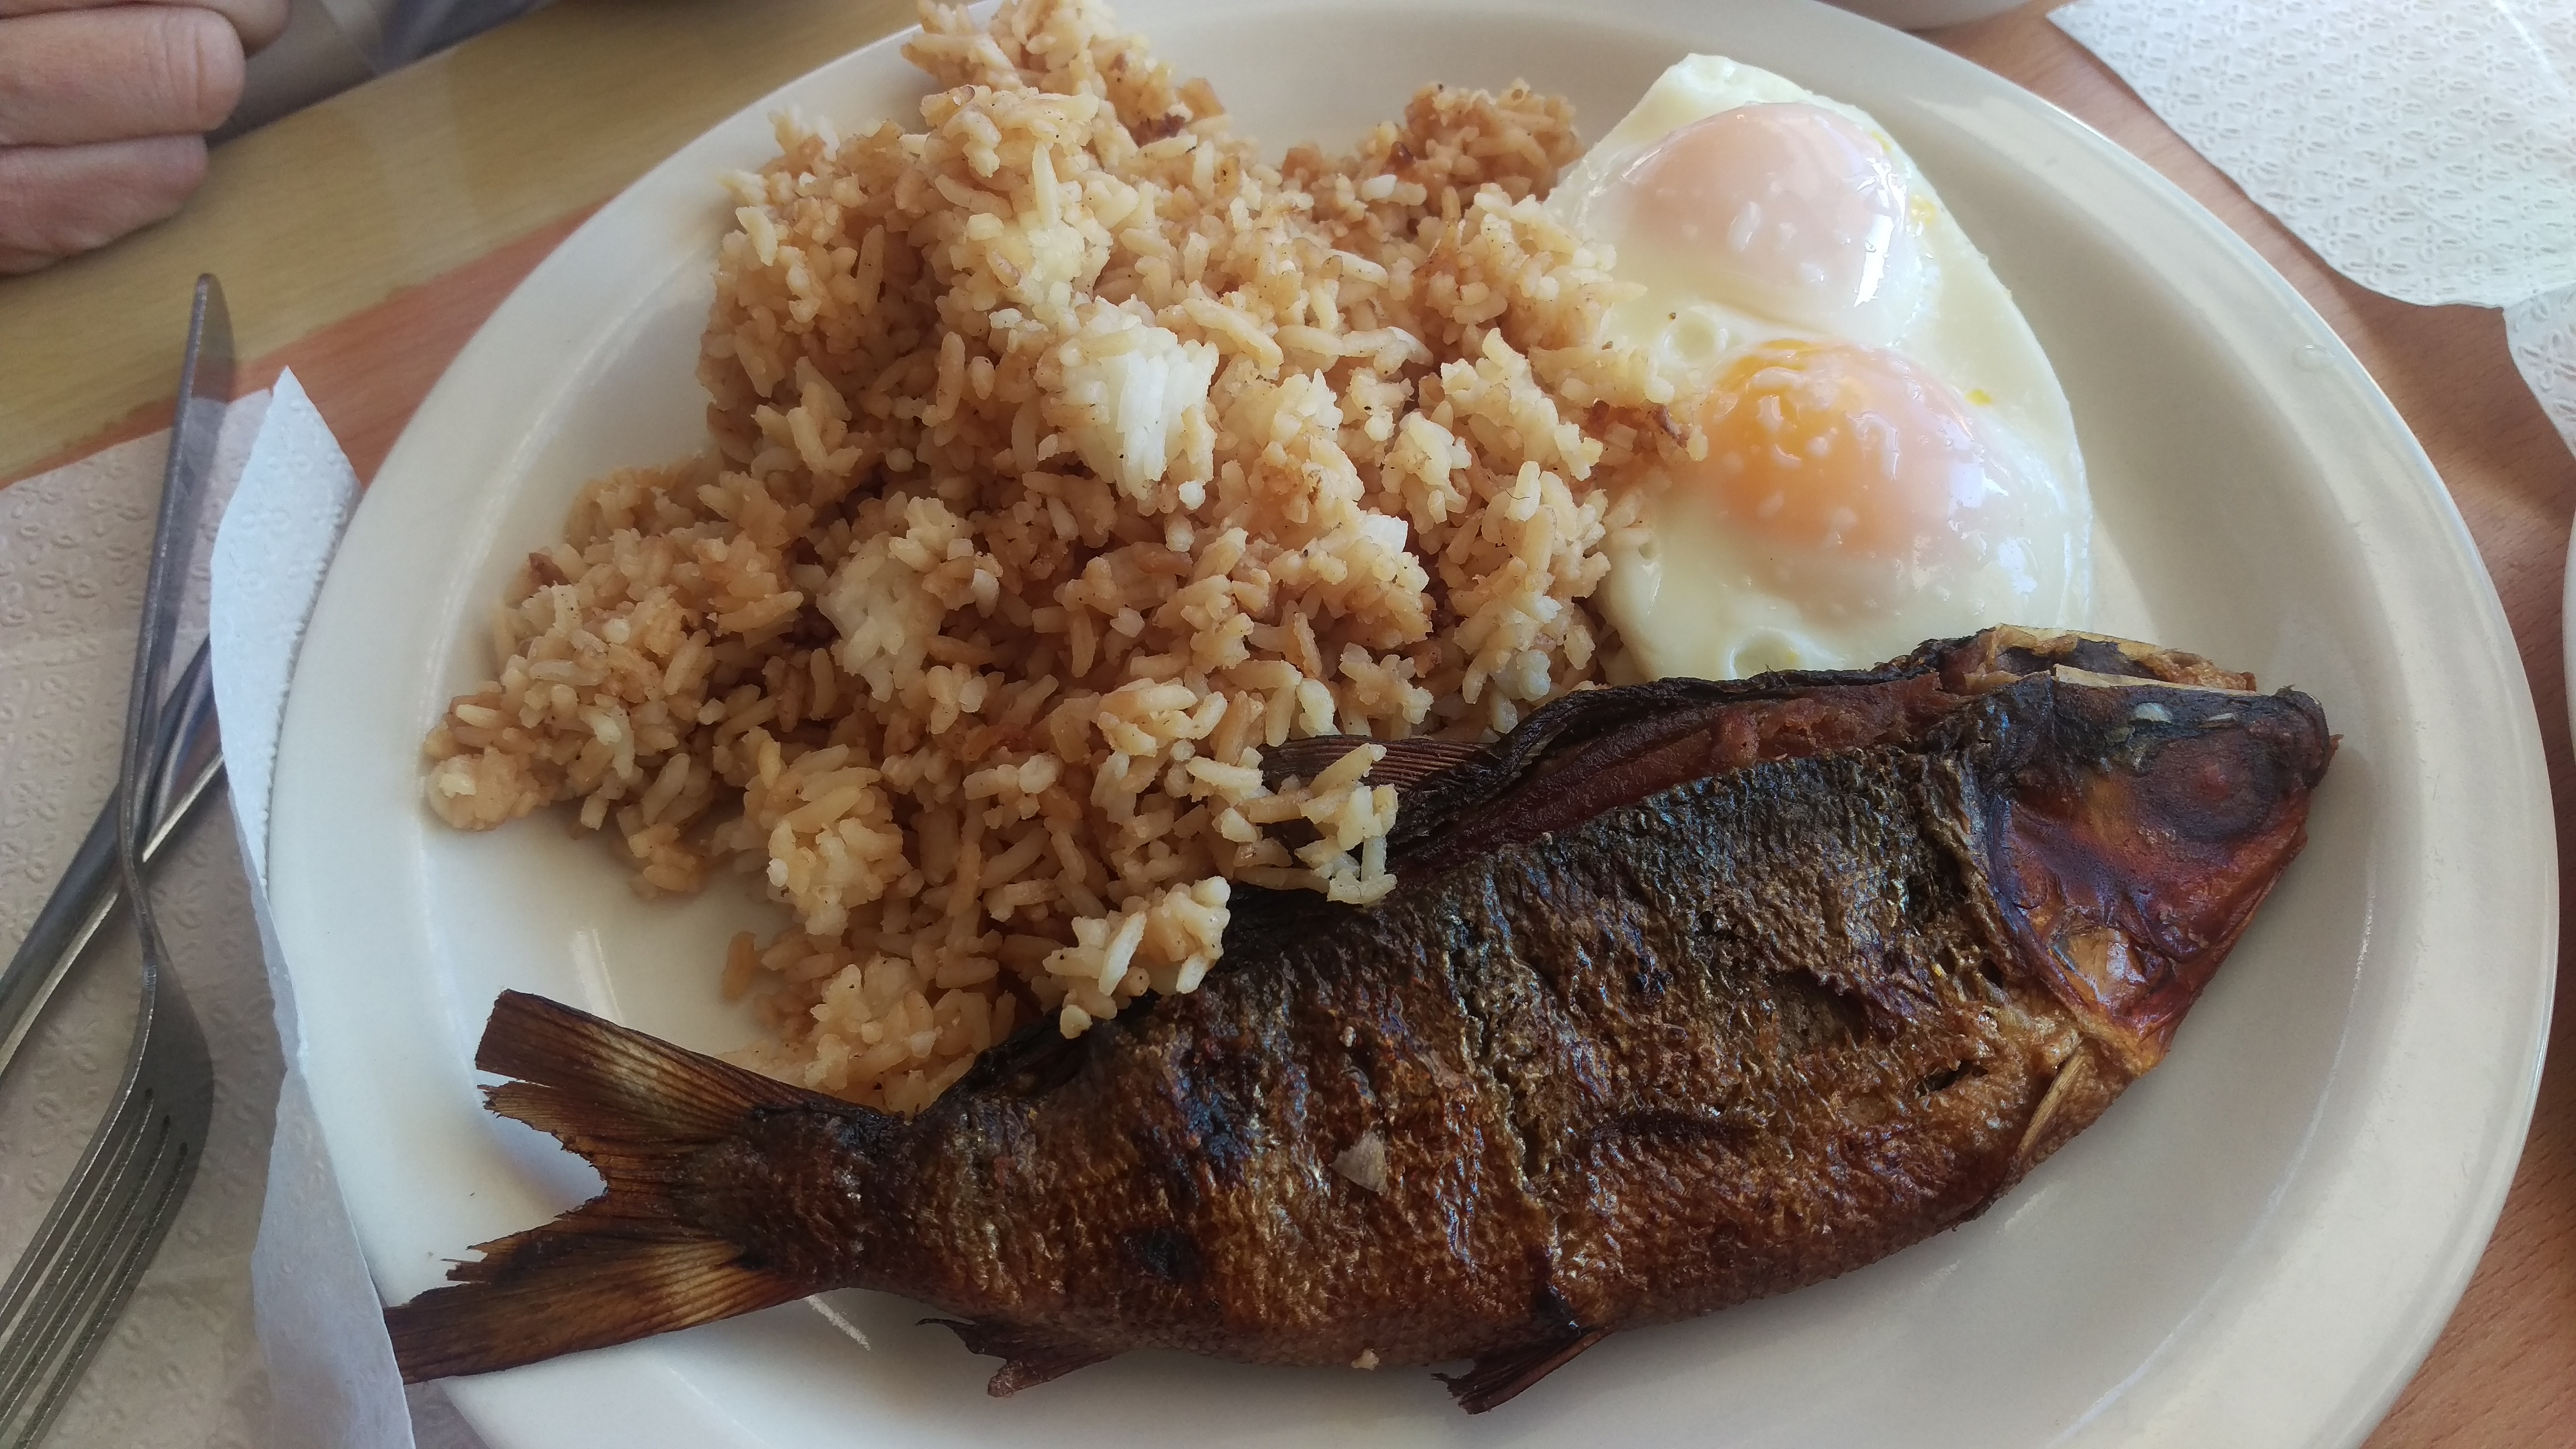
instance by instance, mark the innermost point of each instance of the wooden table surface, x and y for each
(362, 241)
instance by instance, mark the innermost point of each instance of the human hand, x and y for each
(103, 113)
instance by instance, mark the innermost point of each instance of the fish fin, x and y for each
(595, 1079)
(1496, 1377)
(628, 1264)
(2074, 1098)
(1030, 1356)
(586, 1280)
(1410, 762)
(1405, 764)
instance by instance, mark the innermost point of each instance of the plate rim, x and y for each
(2447, 1270)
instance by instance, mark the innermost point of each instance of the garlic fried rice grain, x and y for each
(1066, 457)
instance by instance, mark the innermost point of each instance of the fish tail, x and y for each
(633, 1261)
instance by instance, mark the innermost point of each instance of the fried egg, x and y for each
(1888, 457)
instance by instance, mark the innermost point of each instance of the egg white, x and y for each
(1690, 595)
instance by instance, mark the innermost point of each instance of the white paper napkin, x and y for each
(319, 1322)
(2424, 148)
(184, 1367)
(311, 1300)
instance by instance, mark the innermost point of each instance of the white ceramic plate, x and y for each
(2567, 624)
(2255, 1246)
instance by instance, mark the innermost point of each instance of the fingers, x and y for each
(78, 76)
(257, 22)
(69, 199)
(101, 110)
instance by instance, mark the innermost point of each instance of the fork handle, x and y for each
(191, 761)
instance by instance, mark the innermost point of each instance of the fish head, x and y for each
(2130, 829)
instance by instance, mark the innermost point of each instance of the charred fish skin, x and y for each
(2213, 823)
(1744, 1033)
(1740, 1037)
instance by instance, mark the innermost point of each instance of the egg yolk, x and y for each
(1831, 448)
(1784, 208)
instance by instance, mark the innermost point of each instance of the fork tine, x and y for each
(52, 1270)
(32, 1412)
(101, 1232)
(73, 1275)
(61, 1284)
(167, 1039)
(93, 1186)
(85, 1288)
(154, 1207)
(99, 1292)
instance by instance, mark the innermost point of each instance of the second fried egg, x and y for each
(1888, 457)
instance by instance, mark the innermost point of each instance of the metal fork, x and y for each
(100, 1234)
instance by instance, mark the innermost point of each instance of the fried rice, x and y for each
(1065, 458)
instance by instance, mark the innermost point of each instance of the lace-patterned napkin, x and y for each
(180, 1367)
(2425, 148)
(189, 1364)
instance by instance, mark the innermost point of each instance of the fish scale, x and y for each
(1823, 964)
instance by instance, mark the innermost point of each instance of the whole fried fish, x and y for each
(1690, 993)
